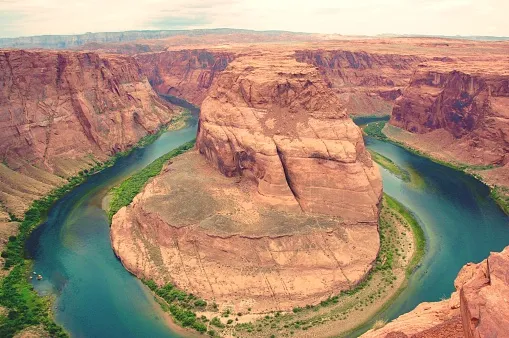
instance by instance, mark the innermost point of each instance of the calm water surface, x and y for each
(97, 297)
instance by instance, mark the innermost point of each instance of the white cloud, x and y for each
(447, 17)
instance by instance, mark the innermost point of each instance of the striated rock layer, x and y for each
(368, 82)
(274, 120)
(478, 308)
(287, 213)
(186, 73)
(470, 105)
(61, 112)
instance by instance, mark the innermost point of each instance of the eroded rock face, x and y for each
(276, 208)
(472, 107)
(367, 82)
(186, 73)
(61, 111)
(274, 120)
(478, 308)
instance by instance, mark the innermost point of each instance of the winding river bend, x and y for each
(96, 297)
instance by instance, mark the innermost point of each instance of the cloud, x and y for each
(447, 17)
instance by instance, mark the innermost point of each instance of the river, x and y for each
(460, 220)
(96, 297)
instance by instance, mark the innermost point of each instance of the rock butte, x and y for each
(288, 218)
(62, 111)
(478, 308)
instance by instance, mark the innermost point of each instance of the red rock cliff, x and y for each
(368, 82)
(473, 107)
(287, 213)
(274, 120)
(59, 111)
(478, 308)
(187, 73)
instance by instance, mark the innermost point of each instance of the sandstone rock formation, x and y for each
(276, 121)
(471, 105)
(368, 82)
(478, 308)
(287, 213)
(186, 73)
(60, 112)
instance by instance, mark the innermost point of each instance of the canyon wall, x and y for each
(187, 73)
(478, 308)
(60, 112)
(367, 82)
(472, 108)
(276, 208)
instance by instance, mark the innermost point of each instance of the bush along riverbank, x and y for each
(123, 194)
(388, 164)
(402, 246)
(22, 306)
(499, 194)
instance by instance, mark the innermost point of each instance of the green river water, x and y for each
(96, 297)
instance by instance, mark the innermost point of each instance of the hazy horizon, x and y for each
(19, 18)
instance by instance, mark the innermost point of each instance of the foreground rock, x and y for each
(478, 308)
(61, 112)
(287, 213)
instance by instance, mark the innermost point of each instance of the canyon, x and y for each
(252, 175)
(275, 146)
(63, 112)
(459, 113)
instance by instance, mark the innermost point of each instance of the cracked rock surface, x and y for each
(276, 208)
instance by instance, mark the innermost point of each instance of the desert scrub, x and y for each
(180, 305)
(123, 194)
(388, 164)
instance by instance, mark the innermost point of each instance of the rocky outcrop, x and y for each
(368, 82)
(276, 122)
(186, 73)
(472, 107)
(61, 112)
(478, 308)
(285, 216)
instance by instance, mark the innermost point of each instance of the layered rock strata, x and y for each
(367, 82)
(278, 206)
(478, 308)
(61, 112)
(186, 73)
(276, 122)
(472, 108)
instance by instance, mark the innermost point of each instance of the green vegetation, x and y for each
(24, 306)
(501, 196)
(419, 238)
(182, 306)
(388, 164)
(390, 270)
(123, 194)
(374, 129)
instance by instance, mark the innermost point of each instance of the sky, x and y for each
(348, 17)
